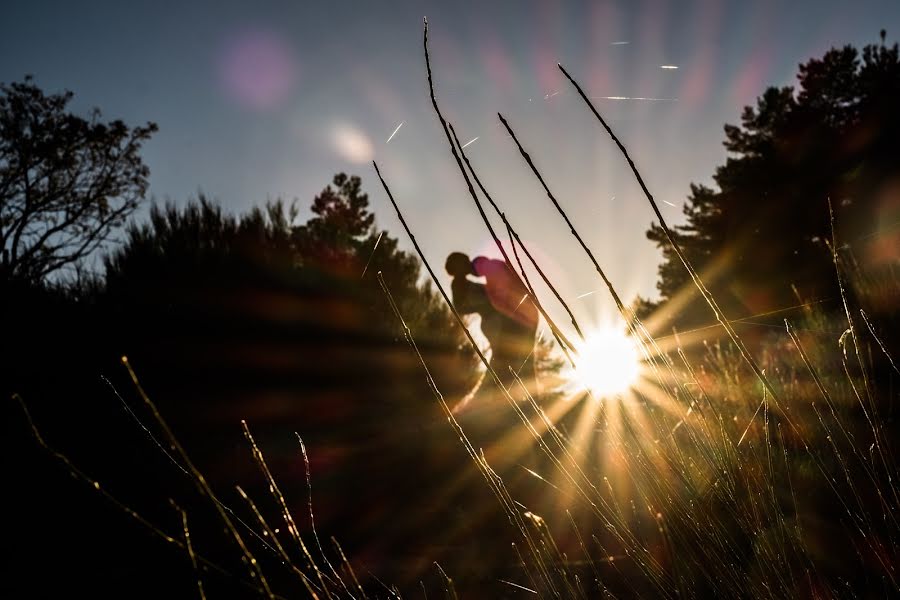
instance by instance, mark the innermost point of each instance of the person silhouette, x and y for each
(509, 318)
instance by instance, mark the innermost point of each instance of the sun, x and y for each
(608, 362)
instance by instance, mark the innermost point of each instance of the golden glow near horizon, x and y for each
(608, 362)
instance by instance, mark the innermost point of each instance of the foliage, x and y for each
(66, 182)
(341, 222)
(761, 237)
(200, 250)
(222, 293)
(199, 245)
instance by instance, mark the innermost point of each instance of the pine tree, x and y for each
(762, 238)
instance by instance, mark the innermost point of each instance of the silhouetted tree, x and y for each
(760, 239)
(333, 237)
(198, 253)
(196, 274)
(342, 243)
(66, 183)
(201, 248)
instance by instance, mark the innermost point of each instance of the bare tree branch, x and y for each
(66, 182)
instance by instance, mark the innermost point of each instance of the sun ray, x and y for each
(580, 446)
(658, 398)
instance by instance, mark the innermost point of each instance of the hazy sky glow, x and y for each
(269, 99)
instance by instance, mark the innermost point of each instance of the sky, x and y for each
(269, 99)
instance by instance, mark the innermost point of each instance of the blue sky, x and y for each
(261, 100)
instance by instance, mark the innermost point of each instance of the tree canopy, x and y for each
(338, 250)
(303, 292)
(66, 182)
(760, 238)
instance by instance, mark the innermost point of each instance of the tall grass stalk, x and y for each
(695, 277)
(201, 484)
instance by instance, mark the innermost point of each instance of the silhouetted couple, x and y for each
(509, 318)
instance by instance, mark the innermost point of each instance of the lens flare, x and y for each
(608, 362)
(258, 69)
(351, 143)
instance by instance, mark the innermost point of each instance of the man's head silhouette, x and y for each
(459, 265)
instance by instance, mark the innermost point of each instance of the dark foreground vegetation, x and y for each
(756, 459)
